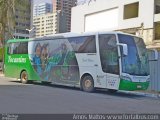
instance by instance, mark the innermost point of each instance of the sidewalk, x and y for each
(148, 93)
(8, 81)
(1, 74)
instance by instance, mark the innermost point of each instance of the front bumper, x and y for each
(131, 86)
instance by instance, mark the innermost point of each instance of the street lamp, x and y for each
(31, 31)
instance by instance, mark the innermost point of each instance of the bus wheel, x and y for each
(87, 84)
(24, 77)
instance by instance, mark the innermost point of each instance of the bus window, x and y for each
(108, 53)
(84, 44)
(23, 48)
(18, 48)
(10, 48)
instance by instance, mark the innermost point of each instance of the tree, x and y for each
(7, 18)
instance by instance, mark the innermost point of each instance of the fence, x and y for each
(154, 73)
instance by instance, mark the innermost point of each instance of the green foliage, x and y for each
(8, 10)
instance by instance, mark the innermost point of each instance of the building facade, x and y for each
(48, 24)
(23, 20)
(65, 6)
(42, 9)
(140, 17)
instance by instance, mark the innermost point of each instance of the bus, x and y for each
(109, 60)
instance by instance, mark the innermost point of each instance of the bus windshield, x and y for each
(136, 62)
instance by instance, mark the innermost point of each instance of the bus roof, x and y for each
(65, 35)
(17, 40)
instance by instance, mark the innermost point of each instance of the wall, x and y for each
(154, 73)
(146, 10)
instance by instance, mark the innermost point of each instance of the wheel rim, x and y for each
(88, 83)
(24, 77)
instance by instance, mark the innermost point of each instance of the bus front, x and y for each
(134, 72)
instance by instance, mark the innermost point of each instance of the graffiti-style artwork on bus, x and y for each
(54, 62)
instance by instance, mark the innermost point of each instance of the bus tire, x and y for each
(24, 77)
(87, 84)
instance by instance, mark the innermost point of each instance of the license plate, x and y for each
(139, 86)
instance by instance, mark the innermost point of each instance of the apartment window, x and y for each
(131, 10)
(157, 6)
(157, 30)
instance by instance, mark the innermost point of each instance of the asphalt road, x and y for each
(37, 99)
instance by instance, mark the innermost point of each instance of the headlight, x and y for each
(126, 78)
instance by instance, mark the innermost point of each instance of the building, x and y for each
(48, 24)
(42, 9)
(65, 6)
(140, 17)
(23, 20)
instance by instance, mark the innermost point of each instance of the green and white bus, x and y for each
(111, 60)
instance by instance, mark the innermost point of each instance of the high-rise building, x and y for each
(23, 20)
(42, 9)
(48, 24)
(65, 6)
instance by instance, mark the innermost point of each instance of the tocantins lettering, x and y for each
(16, 60)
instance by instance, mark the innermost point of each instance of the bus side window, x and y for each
(22, 48)
(83, 44)
(108, 53)
(15, 51)
(88, 46)
(10, 48)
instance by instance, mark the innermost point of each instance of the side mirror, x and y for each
(153, 55)
(124, 47)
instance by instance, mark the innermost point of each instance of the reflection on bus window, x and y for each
(136, 62)
(108, 53)
(18, 48)
(84, 44)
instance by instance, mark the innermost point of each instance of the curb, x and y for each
(1, 75)
(156, 95)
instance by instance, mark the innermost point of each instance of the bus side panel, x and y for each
(14, 64)
(88, 64)
(30, 70)
(17, 60)
(54, 61)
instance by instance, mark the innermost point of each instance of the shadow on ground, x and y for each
(124, 94)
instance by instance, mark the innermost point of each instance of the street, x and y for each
(51, 99)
